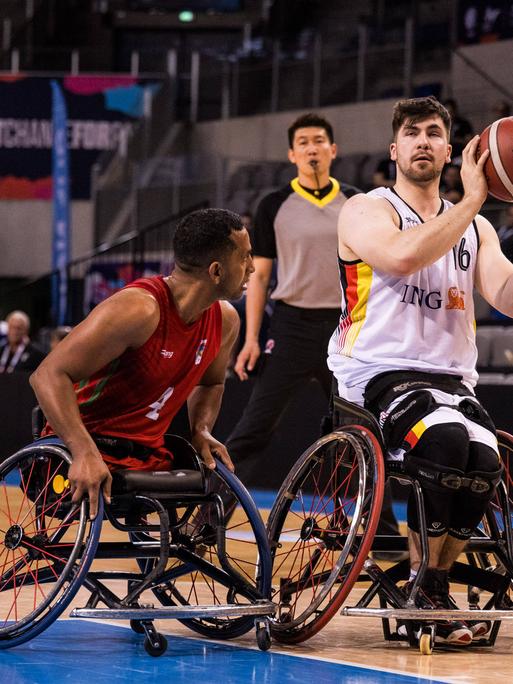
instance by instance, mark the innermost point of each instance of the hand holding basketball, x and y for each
(498, 168)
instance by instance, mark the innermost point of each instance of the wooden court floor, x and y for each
(360, 641)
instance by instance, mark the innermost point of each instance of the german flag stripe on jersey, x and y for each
(356, 280)
(415, 433)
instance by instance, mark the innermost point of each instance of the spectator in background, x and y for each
(3, 331)
(451, 187)
(17, 353)
(500, 110)
(58, 334)
(384, 175)
(461, 129)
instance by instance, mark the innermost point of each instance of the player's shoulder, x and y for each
(366, 200)
(134, 301)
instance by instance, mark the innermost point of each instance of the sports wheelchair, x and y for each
(322, 532)
(165, 531)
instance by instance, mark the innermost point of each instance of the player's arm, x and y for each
(369, 227)
(256, 298)
(494, 273)
(204, 401)
(125, 320)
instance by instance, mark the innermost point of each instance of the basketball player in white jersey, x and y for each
(405, 347)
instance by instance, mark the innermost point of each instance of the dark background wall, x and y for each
(299, 428)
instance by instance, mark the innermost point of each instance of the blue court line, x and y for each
(265, 499)
(84, 652)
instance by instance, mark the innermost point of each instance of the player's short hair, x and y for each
(418, 109)
(204, 236)
(310, 120)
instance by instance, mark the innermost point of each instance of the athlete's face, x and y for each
(237, 266)
(312, 152)
(421, 149)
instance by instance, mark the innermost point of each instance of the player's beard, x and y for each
(421, 175)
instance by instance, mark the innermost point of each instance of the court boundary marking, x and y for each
(228, 642)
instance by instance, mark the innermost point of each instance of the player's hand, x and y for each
(247, 359)
(208, 447)
(472, 173)
(87, 473)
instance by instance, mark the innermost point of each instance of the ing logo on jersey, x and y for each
(199, 352)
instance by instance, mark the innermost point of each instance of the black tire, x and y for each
(263, 637)
(321, 529)
(46, 543)
(153, 649)
(136, 626)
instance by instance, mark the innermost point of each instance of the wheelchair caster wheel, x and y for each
(263, 636)
(427, 641)
(136, 626)
(156, 646)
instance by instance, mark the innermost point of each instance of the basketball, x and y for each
(498, 138)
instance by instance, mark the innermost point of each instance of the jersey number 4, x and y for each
(157, 406)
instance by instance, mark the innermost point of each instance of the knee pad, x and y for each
(442, 448)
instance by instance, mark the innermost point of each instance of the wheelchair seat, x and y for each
(161, 484)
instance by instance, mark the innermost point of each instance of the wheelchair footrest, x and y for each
(428, 615)
(175, 612)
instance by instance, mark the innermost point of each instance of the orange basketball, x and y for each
(498, 138)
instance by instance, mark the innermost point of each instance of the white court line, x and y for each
(349, 663)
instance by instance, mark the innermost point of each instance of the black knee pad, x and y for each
(481, 479)
(438, 463)
(441, 449)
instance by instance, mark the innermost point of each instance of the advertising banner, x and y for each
(101, 113)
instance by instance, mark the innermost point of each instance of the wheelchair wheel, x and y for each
(505, 441)
(321, 529)
(46, 543)
(236, 566)
(499, 521)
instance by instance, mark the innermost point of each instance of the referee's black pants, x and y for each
(298, 355)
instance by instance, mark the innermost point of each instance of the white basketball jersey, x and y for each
(421, 322)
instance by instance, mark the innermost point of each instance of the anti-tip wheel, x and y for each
(158, 648)
(426, 642)
(136, 626)
(263, 637)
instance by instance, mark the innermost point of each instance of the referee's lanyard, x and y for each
(13, 362)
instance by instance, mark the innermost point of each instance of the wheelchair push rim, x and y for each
(46, 542)
(246, 568)
(321, 530)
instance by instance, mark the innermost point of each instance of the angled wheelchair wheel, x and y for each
(500, 514)
(46, 543)
(321, 529)
(231, 567)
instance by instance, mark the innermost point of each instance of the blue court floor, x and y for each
(83, 652)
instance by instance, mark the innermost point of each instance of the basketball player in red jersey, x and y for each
(111, 388)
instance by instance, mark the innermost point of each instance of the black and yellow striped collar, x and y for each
(322, 202)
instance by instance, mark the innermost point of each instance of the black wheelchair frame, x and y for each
(49, 548)
(322, 532)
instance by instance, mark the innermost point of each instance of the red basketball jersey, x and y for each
(138, 394)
